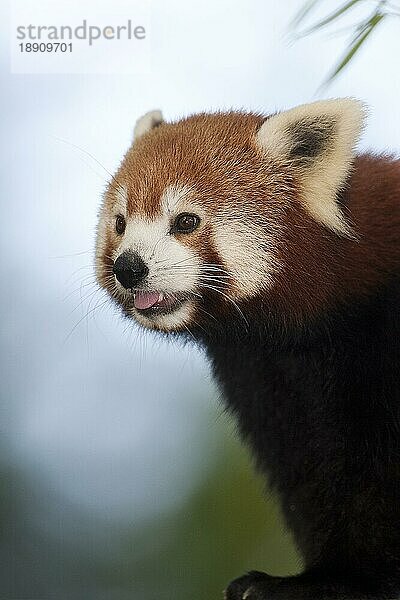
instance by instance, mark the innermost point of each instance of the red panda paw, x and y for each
(253, 586)
(259, 586)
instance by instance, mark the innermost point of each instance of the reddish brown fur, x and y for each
(321, 267)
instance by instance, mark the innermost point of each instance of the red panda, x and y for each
(276, 247)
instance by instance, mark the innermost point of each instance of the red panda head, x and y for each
(201, 217)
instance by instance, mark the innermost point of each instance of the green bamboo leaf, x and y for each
(356, 44)
(332, 17)
(303, 12)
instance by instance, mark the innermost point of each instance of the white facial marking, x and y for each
(176, 199)
(174, 320)
(248, 254)
(173, 267)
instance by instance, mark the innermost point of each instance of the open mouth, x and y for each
(157, 303)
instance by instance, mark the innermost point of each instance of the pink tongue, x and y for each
(145, 300)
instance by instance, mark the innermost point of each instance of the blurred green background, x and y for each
(223, 528)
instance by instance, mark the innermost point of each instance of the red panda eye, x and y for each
(185, 223)
(120, 224)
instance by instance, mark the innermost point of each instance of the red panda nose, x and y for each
(130, 269)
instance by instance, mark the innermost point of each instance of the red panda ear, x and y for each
(146, 123)
(317, 140)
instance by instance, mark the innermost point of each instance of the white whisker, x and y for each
(229, 299)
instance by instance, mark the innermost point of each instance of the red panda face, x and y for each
(193, 223)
